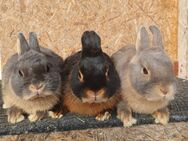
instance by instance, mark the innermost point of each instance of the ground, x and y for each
(171, 132)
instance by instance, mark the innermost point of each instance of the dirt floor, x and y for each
(171, 132)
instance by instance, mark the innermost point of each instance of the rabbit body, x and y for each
(73, 103)
(31, 80)
(91, 81)
(146, 73)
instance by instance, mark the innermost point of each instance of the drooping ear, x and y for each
(91, 43)
(33, 42)
(142, 40)
(157, 37)
(22, 45)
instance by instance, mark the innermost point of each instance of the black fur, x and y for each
(93, 64)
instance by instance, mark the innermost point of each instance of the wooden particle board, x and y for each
(59, 24)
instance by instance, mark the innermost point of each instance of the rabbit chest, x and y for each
(75, 105)
(28, 106)
(141, 105)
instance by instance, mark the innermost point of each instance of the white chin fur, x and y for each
(93, 101)
(33, 96)
(168, 97)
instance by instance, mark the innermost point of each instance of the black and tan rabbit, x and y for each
(31, 80)
(147, 78)
(92, 82)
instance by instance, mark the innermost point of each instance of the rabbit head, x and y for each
(33, 75)
(151, 71)
(94, 79)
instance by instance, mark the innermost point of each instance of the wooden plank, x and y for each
(183, 39)
(171, 132)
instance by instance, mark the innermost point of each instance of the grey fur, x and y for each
(130, 63)
(157, 37)
(22, 44)
(35, 66)
(33, 42)
(142, 39)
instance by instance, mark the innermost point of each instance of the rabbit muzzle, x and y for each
(37, 89)
(161, 92)
(91, 96)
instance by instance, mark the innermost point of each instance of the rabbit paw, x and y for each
(103, 116)
(127, 120)
(161, 117)
(124, 113)
(54, 114)
(15, 115)
(5, 106)
(36, 116)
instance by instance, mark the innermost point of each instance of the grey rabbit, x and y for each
(147, 78)
(31, 80)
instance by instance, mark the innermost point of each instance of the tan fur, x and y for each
(33, 88)
(29, 106)
(103, 116)
(139, 104)
(75, 105)
(90, 96)
(81, 77)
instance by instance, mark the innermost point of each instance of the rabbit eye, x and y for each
(145, 71)
(80, 76)
(47, 68)
(106, 73)
(21, 74)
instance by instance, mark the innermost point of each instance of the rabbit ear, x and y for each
(157, 38)
(142, 41)
(33, 42)
(91, 43)
(22, 45)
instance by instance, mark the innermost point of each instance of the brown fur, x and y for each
(75, 105)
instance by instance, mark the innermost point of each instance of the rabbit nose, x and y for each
(36, 86)
(164, 91)
(39, 86)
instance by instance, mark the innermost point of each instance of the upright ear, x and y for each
(142, 40)
(22, 45)
(91, 43)
(33, 42)
(157, 38)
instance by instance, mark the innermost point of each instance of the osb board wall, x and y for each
(59, 24)
(183, 39)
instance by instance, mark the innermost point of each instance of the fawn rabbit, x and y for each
(148, 82)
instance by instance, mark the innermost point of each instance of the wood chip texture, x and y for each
(59, 24)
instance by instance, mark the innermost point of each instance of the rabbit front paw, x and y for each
(161, 116)
(36, 116)
(15, 115)
(103, 116)
(54, 114)
(127, 119)
(124, 113)
(5, 106)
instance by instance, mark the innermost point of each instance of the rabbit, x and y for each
(91, 81)
(148, 83)
(31, 80)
